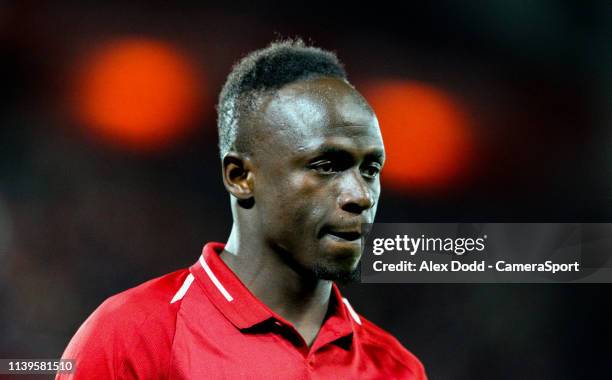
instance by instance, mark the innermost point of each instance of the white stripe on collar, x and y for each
(351, 311)
(181, 292)
(215, 280)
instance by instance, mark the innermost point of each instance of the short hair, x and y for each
(263, 71)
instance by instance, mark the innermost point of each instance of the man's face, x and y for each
(317, 155)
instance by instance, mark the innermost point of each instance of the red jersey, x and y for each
(203, 323)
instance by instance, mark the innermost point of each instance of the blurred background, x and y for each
(494, 111)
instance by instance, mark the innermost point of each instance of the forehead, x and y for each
(309, 113)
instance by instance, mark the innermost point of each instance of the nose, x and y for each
(355, 195)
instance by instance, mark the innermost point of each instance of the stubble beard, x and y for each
(340, 276)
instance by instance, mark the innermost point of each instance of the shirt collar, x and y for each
(236, 302)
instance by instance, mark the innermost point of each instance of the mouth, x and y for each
(348, 235)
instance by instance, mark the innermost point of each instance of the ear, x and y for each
(238, 175)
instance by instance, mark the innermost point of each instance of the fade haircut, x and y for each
(265, 71)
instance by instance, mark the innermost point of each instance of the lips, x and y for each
(347, 234)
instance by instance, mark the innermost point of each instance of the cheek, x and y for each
(305, 204)
(376, 194)
(305, 183)
(280, 195)
(307, 197)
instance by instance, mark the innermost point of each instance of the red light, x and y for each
(138, 93)
(426, 135)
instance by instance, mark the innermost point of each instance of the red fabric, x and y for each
(140, 334)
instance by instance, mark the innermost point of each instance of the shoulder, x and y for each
(148, 300)
(146, 304)
(382, 344)
(130, 332)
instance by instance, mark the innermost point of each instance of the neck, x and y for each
(301, 301)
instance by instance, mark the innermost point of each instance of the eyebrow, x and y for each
(332, 150)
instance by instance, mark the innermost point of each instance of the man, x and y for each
(301, 155)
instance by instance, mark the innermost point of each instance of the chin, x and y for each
(338, 273)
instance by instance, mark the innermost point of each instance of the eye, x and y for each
(323, 167)
(371, 170)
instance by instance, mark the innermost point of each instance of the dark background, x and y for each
(82, 218)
